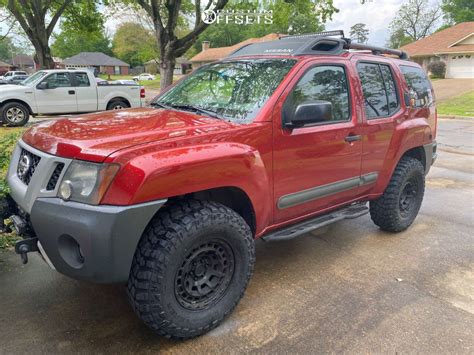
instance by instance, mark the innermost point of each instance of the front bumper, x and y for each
(93, 243)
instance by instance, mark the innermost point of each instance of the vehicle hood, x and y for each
(8, 89)
(95, 136)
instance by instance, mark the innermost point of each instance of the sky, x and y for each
(376, 14)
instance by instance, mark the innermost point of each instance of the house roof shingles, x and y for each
(213, 54)
(94, 59)
(443, 41)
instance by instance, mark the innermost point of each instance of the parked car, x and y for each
(11, 74)
(278, 139)
(63, 91)
(144, 76)
(16, 79)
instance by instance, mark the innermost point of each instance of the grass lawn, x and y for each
(150, 84)
(462, 105)
(8, 139)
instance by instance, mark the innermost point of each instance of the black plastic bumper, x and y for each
(93, 243)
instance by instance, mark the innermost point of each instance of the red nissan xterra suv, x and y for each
(276, 140)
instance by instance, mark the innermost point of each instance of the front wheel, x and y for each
(14, 114)
(191, 268)
(398, 207)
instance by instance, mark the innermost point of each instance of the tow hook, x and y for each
(25, 246)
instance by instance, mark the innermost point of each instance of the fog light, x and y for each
(65, 190)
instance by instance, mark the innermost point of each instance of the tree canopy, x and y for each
(38, 19)
(300, 16)
(82, 30)
(7, 49)
(134, 44)
(360, 33)
(457, 11)
(416, 19)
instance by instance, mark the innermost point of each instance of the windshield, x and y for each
(33, 78)
(234, 90)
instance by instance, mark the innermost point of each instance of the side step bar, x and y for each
(293, 231)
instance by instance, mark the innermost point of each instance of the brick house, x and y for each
(208, 54)
(454, 46)
(101, 62)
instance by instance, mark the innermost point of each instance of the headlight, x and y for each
(86, 182)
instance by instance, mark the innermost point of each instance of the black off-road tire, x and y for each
(117, 104)
(391, 212)
(178, 236)
(14, 114)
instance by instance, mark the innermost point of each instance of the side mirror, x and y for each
(410, 99)
(43, 85)
(310, 113)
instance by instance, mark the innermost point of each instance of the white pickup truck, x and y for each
(61, 92)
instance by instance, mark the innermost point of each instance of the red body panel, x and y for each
(165, 154)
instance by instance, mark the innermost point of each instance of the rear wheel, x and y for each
(14, 114)
(117, 105)
(398, 207)
(191, 268)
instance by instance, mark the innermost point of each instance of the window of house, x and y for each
(323, 83)
(82, 79)
(380, 91)
(419, 86)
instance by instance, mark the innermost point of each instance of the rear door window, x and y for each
(418, 85)
(82, 80)
(390, 88)
(380, 91)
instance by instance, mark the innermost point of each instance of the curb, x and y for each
(452, 117)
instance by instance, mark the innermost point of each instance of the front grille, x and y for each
(53, 180)
(27, 166)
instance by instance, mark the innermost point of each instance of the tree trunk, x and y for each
(167, 64)
(42, 52)
(43, 57)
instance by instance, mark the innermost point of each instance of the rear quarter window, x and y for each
(419, 86)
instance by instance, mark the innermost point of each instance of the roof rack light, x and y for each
(317, 34)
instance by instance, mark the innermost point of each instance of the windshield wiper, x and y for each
(159, 104)
(189, 107)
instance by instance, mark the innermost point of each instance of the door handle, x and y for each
(353, 138)
(72, 92)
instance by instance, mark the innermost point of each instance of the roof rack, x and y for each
(378, 50)
(321, 43)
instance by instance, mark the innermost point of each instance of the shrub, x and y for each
(8, 139)
(7, 144)
(437, 69)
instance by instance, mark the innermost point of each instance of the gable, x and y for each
(469, 39)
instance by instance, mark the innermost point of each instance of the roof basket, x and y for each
(322, 43)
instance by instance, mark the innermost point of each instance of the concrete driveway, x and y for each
(447, 88)
(351, 288)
